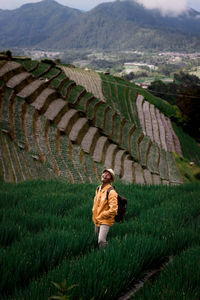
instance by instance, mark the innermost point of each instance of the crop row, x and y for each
(138, 111)
(55, 239)
(125, 100)
(89, 79)
(121, 96)
(96, 110)
(31, 125)
(179, 280)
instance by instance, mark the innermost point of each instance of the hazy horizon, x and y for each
(169, 6)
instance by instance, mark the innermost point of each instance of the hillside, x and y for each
(34, 23)
(68, 123)
(47, 236)
(115, 25)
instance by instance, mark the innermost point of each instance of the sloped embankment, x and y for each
(52, 127)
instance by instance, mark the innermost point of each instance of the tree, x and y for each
(129, 76)
(184, 92)
(189, 104)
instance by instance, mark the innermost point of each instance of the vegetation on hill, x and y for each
(183, 92)
(115, 25)
(46, 108)
(53, 128)
(47, 235)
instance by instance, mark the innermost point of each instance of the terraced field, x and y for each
(61, 122)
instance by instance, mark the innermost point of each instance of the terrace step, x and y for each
(12, 158)
(108, 122)
(174, 175)
(133, 108)
(74, 161)
(135, 140)
(68, 120)
(28, 128)
(101, 115)
(176, 143)
(89, 140)
(108, 93)
(156, 132)
(147, 119)
(42, 101)
(4, 108)
(91, 110)
(78, 130)
(9, 69)
(119, 162)
(39, 135)
(110, 156)
(51, 142)
(18, 81)
(161, 129)
(2, 166)
(77, 152)
(100, 149)
(126, 135)
(95, 167)
(156, 179)
(130, 108)
(32, 90)
(67, 87)
(163, 166)
(165, 182)
(153, 158)
(12, 103)
(63, 149)
(148, 177)
(13, 162)
(139, 105)
(28, 165)
(169, 138)
(90, 80)
(54, 108)
(128, 170)
(138, 174)
(144, 147)
(116, 128)
(83, 157)
(76, 94)
(84, 102)
(5, 160)
(60, 84)
(18, 159)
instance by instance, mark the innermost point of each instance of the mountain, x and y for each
(34, 23)
(112, 25)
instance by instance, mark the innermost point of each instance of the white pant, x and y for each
(102, 233)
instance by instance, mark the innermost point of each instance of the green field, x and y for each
(47, 235)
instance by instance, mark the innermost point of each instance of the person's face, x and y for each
(106, 177)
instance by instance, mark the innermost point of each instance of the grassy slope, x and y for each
(191, 150)
(46, 234)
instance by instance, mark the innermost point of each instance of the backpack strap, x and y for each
(108, 191)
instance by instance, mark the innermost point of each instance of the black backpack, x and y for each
(122, 204)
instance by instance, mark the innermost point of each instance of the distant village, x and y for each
(136, 62)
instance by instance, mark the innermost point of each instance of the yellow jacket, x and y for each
(104, 210)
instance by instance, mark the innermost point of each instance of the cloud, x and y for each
(167, 7)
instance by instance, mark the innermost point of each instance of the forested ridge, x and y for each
(113, 25)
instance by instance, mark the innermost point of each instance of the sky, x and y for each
(166, 6)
